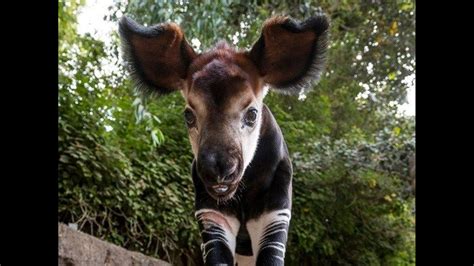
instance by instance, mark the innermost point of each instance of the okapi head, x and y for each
(224, 88)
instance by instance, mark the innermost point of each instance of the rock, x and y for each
(80, 249)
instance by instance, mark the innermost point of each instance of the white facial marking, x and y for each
(264, 91)
(250, 142)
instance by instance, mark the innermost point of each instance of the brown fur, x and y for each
(161, 61)
(223, 64)
(222, 81)
(215, 217)
(286, 53)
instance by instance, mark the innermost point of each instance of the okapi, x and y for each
(241, 171)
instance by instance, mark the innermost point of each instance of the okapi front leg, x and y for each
(269, 230)
(269, 234)
(218, 232)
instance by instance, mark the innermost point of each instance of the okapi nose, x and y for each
(214, 167)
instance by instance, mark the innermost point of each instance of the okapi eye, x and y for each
(189, 117)
(250, 117)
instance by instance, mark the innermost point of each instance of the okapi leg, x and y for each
(269, 235)
(218, 232)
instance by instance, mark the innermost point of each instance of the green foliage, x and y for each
(124, 161)
(355, 202)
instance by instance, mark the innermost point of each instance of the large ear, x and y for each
(158, 56)
(290, 55)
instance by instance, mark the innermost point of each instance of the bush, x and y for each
(351, 209)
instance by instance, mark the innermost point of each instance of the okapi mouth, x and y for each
(222, 193)
(222, 189)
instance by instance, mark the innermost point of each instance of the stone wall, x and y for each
(80, 249)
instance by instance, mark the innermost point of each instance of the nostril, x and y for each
(207, 166)
(216, 168)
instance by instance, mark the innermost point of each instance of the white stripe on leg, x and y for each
(219, 228)
(263, 232)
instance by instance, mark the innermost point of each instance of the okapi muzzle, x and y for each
(219, 162)
(242, 171)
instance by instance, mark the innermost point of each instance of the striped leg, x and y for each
(269, 234)
(218, 232)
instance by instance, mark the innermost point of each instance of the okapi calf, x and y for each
(241, 171)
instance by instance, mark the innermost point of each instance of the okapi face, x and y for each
(224, 96)
(224, 88)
